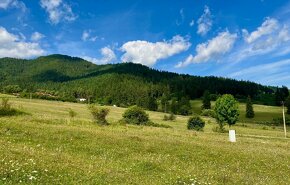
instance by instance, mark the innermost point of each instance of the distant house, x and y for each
(82, 99)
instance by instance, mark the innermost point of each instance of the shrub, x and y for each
(170, 117)
(135, 115)
(99, 114)
(12, 89)
(152, 124)
(72, 113)
(208, 113)
(219, 129)
(195, 123)
(279, 121)
(7, 110)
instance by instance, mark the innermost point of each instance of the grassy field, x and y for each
(45, 146)
(262, 113)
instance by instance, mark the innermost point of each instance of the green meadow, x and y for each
(46, 146)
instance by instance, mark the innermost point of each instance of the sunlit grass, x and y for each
(48, 147)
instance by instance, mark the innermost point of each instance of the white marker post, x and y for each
(232, 136)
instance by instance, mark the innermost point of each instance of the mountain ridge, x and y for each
(70, 76)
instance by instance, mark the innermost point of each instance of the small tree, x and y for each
(174, 105)
(195, 123)
(287, 103)
(206, 100)
(99, 114)
(227, 110)
(170, 117)
(249, 108)
(152, 104)
(72, 113)
(135, 115)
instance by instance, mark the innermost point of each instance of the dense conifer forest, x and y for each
(60, 77)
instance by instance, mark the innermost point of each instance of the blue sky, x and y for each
(247, 39)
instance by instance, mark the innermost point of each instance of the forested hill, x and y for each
(68, 78)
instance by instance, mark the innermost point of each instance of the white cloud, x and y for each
(148, 53)
(12, 46)
(179, 22)
(58, 11)
(5, 4)
(264, 41)
(191, 23)
(212, 49)
(267, 27)
(86, 36)
(36, 36)
(204, 22)
(108, 56)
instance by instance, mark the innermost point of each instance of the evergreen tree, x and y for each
(165, 103)
(152, 104)
(174, 106)
(206, 100)
(287, 104)
(281, 94)
(249, 108)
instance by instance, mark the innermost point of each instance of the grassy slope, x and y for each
(262, 113)
(50, 148)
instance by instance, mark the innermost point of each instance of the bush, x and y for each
(219, 129)
(12, 89)
(135, 115)
(195, 123)
(170, 117)
(72, 113)
(7, 110)
(208, 113)
(99, 114)
(152, 124)
(279, 121)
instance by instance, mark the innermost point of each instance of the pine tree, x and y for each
(206, 100)
(249, 108)
(287, 104)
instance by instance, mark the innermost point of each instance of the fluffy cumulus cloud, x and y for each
(268, 27)
(58, 11)
(204, 22)
(108, 56)
(148, 53)
(13, 46)
(36, 36)
(5, 4)
(212, 49)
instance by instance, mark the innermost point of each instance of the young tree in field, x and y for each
(206, 100)
(249, 108)
(99, 114)
(287, 104)
(227, 110)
